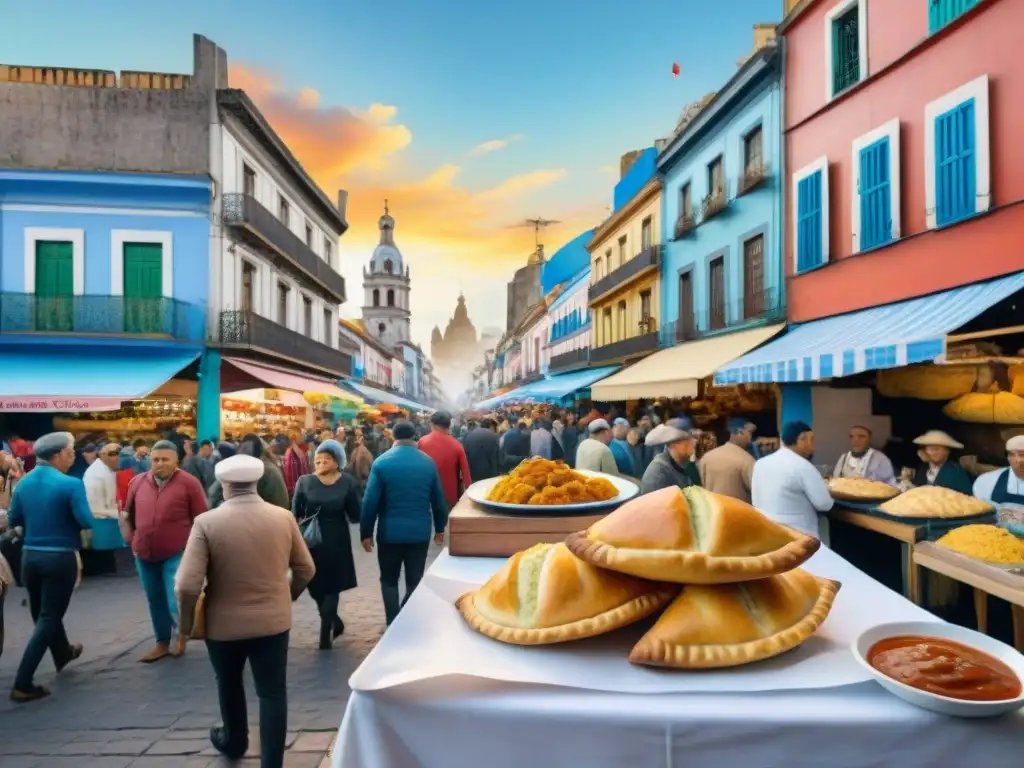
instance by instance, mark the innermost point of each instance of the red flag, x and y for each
(676, 69)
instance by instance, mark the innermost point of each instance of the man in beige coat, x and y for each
(728, 469)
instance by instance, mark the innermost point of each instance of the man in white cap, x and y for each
(242, 551)
(674, 465)
(1005, 486)
(594, 454)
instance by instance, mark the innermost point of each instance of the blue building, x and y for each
(104, 280)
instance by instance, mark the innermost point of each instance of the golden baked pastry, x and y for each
(860, 489)
(543, 482)
(932, 501)
(548, 595)
(987, 408)
(692, 536)
(725, 625)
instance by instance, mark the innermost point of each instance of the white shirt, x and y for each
(596, 456)
(788, 489)
(986, 483)
(101, 490)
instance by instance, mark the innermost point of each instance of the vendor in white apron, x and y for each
(1005, 486)
(864, 461)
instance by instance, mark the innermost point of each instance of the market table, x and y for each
(907, 535)
(469, 722)
(985, 579)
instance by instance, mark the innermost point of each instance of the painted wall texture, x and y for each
(908, 68)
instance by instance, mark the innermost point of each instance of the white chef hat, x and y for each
(239, 470)
(1015, 444)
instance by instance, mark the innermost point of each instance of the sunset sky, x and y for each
(467, 116)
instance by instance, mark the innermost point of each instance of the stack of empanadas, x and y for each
(739, 596)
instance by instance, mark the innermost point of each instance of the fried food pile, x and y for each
(542, 482)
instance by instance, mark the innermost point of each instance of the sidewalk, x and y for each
(109, 711)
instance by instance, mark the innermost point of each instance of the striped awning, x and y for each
(890, 336)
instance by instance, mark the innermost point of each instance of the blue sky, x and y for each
(582, 80)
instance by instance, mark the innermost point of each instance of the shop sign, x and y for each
(272, 394)
(58, 404)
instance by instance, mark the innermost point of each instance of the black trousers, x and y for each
(392, 558)
(268, 658)
(50, 580)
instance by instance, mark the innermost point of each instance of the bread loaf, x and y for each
(927, 382)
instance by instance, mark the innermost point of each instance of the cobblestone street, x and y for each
(109, 711)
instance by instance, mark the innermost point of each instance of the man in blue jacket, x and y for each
(53, 511)
(405, 501)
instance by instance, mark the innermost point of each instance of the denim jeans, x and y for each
(50, 579)
(391, 558)
(158, 584)
(268, 658)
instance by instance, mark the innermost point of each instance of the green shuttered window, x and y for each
(143, 288)
(55, 286)
(942, 12)
(846, 50)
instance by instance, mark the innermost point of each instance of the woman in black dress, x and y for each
(333, 497)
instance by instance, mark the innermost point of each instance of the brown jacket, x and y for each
(728, 470)
(242, 551)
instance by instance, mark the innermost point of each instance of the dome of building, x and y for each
(386, 258)
(460, 328)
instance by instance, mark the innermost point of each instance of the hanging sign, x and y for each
(42, 404)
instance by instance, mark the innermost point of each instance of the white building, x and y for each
(386, 289)
(569, 325)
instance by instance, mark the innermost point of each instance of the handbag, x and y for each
(199, 617)
(310, 528)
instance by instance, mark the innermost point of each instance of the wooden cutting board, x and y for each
(477, 532)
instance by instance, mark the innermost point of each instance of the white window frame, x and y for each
(862, 41)
(300, 310)
(890, 131)
(977, 89)
(821, 164)
(63, 235)
(118, 239)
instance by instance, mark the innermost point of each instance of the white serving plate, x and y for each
(627, 490)
(942, 704)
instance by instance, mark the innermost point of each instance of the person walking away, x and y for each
(271, 486)
(295, 462)
(163, 503)
(404, 500)
(569, 438)
(729, 468)
(594, 454)
(449, 456)
(331, 497)
(674, 465)
(136, 457)
(516, 446)
(360, 460)
(540, 441)
(621, 449)
(53, 511)
(101, 483)
(200, 465)
(786, 486)
(481, 446)
(242, 552)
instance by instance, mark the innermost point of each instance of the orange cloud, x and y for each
(485, 147)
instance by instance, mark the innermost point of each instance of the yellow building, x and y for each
(625, 290)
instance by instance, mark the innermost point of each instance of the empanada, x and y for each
(692, 536)
(933, 501)
(860, 489)
(725, 625)
(547, 595)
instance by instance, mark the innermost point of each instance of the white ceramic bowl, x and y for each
(627, 490)
(942, 704)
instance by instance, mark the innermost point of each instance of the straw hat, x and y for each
(937, 437)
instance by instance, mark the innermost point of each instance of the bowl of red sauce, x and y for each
(943, 667)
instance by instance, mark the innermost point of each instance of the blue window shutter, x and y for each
(875, 195)
(942, 12)
(809, 245)
(955, 164)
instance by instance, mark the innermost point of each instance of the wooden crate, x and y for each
(476, 532)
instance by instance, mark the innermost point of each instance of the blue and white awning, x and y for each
(890, 336)
(376, 396)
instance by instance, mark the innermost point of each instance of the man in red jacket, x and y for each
(449, 456)
(162, 503)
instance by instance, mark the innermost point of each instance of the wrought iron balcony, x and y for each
(753, 309)
(567, 361)
(637, 345)
(248, 330)
(685, 224)
(102, 316)
(647, 259)
(243, 213)
(715, 202)
(754, 176)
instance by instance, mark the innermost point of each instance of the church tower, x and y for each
(386, 314)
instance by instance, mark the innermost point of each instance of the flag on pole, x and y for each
(676, 69)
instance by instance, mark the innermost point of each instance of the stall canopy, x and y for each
(553, 388)
(890, 336)
(676, 371)
(375, 395)
(88, 378)
(249, 375)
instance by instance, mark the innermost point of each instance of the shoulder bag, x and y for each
(310, 528)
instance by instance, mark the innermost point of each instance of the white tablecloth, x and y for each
(472, 723)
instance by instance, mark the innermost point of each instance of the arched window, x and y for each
(376, 297)
(389, 266)
(391, 297)
(380, 329)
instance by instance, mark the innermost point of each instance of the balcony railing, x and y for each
(646, 259)
(244, 213)
(753, 309)
(249, 330)
(576, 358)
(715, 202)
(685, 224)
(754, 176)
(636, 345)
(102, 316)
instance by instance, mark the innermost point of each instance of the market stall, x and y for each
(264, 411)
